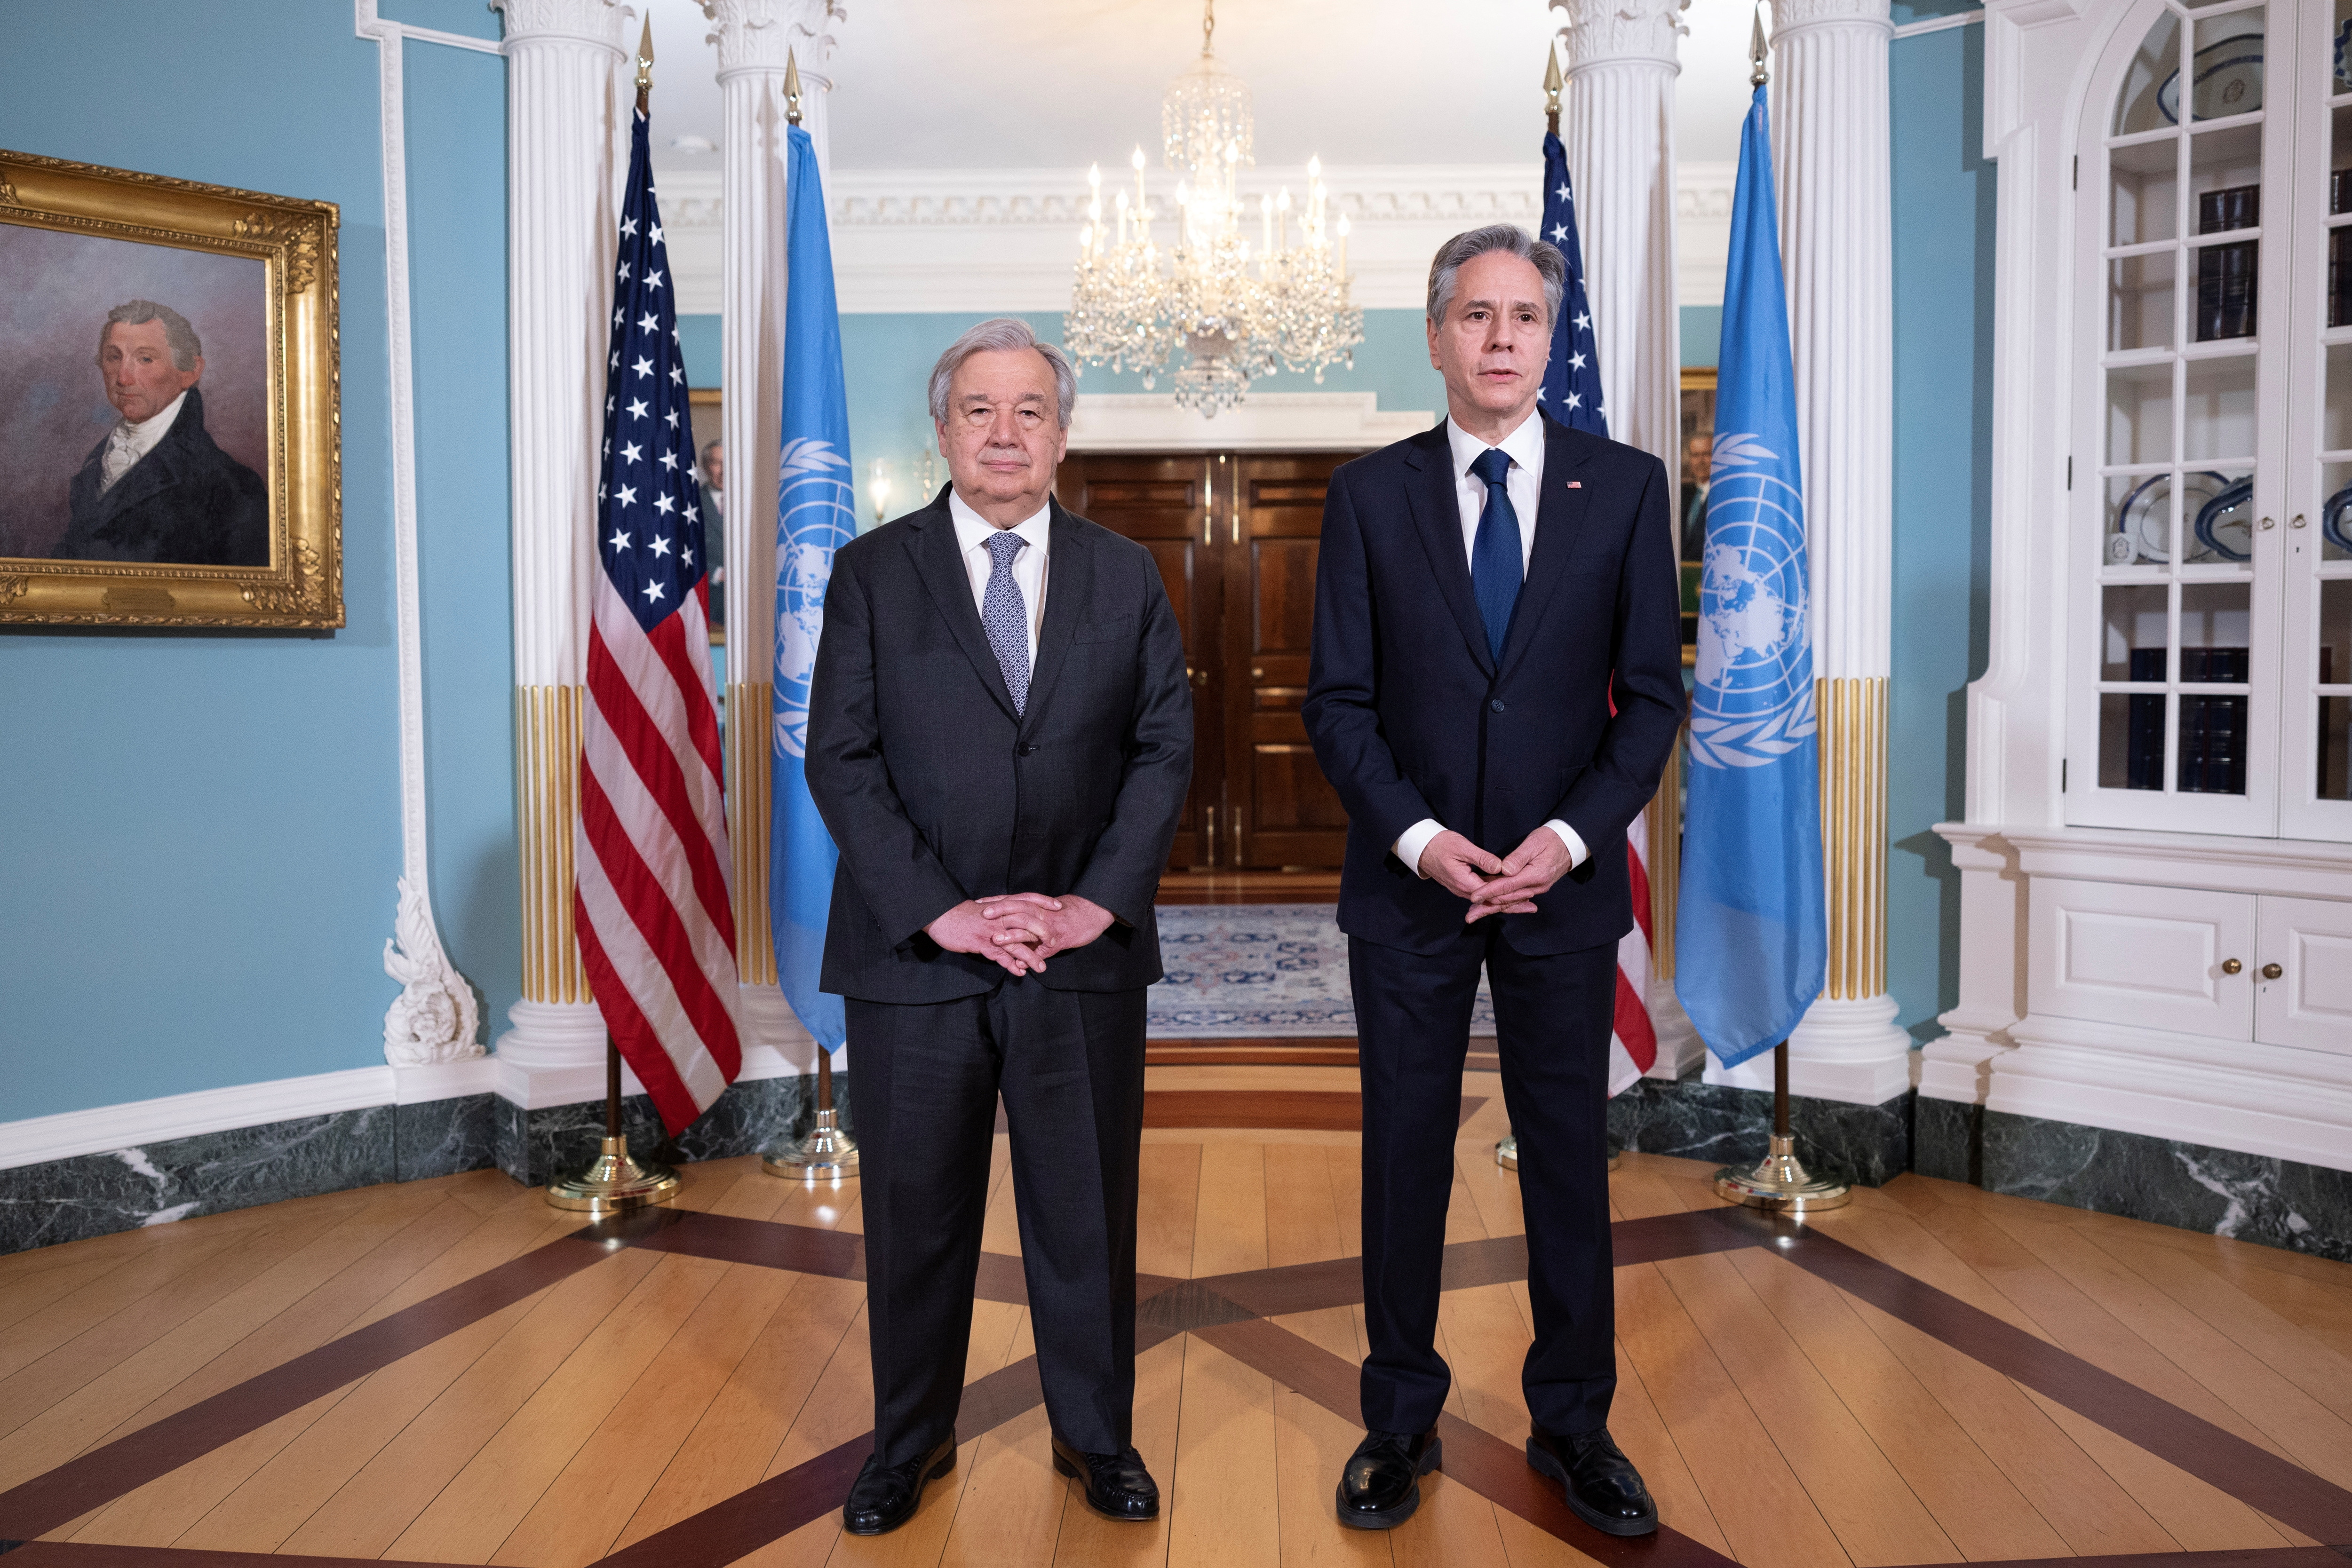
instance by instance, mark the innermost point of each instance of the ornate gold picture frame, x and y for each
(169, 402)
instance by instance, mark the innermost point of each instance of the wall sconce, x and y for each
(877, 485)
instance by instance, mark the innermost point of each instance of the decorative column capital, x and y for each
(1790, 16)
(756, 35)
(603, 23)
(1623, 32)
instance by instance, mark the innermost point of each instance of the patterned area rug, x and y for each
(1242, 971)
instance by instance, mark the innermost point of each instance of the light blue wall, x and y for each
(204, 829)
(1943, 468)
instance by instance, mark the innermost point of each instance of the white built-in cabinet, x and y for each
(2156, 863)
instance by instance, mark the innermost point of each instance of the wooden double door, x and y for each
(1235, 535)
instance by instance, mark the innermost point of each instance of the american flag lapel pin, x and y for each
(1576, 484)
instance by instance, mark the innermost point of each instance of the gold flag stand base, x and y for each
(1507, 1154)
(827, 1154)
(614, 1181)
(1780, 1184)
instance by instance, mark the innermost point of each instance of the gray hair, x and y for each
(178, 335)
(1457, 253)
(998, 335)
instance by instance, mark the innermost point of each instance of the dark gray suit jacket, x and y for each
(937, 792)
(187, 503)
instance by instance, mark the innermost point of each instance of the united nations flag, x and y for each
(816, 512)
(1751, 942)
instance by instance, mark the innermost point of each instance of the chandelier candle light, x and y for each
(1235, 315)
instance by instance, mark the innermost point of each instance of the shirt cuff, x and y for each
(1577, 853)
(1415, 840)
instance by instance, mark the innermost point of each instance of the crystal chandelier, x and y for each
(1235, 314)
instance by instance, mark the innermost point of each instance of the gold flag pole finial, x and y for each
(1552, 89)
(1757, 76)
(792, 88)
(1208, 25)
(646, 65)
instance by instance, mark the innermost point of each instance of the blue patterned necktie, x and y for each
(1495, 568)
(1005, 615)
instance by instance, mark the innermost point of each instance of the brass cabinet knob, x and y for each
(2231, 966)
(2271, 971)
(1199, 677)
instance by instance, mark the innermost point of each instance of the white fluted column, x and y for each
(563, 109)
(755, 38)
(1830, 156)
(1617, 123)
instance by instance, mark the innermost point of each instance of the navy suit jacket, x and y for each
(1411, 716)
(937, 792)
(187, 503)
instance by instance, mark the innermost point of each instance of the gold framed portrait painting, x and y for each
(169, 425)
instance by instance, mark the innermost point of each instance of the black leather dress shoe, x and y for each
(1602, 1486)
(1380, 1485)
(1118, 1486)
(884, 1497)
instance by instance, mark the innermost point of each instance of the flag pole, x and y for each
(827, 1154)
(615, 1181)
(1779, 1184)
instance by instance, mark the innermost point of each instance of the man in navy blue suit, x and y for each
(1497, 685)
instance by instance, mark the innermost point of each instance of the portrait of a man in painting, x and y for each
(168, 383)
(158, 486)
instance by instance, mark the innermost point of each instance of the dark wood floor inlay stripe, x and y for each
(97, 1554)
(2252, 1557)
(2253, 1475)
(1474, 1458)
(42, 1504)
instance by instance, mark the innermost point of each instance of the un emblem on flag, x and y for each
(1754, 697)
(816, 513)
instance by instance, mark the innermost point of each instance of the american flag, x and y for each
(657, 923)
(1571, 384)
(1571, 395)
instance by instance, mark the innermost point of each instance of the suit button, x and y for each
(1496, 705)
(1025, 750)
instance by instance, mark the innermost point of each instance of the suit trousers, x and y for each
(926, 1083)
(1552, 1015)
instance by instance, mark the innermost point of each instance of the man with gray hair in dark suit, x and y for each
(999, 739)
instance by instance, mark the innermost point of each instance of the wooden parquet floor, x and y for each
(450, 1372)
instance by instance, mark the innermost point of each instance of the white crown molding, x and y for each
(974, 240)
(435, 1018)
(1263, 421)
(1939, 24)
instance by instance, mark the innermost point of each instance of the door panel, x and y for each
(2309, 1004)
(1164, 503)
(1283, 814)
(1235, 538)
(2157, 956)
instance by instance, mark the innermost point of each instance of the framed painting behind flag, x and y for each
(169, 435)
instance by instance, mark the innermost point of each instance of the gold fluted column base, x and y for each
(750, 726)
(1853, 833)
(548, 722)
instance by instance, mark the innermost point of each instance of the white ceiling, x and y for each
(975, 84)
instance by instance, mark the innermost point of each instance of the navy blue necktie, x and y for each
(1495, 568)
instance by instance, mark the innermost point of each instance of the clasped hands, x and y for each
(1509, 885)
(1020, 930)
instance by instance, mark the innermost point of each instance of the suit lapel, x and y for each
(1069, 585)
(941, 565)
(1437, 516)
(1559, 522)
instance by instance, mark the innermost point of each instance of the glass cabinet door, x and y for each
(2315, 678)
(2174, 716)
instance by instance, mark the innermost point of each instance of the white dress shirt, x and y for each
(973, 532)
(129, 443)
(1524, 485)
